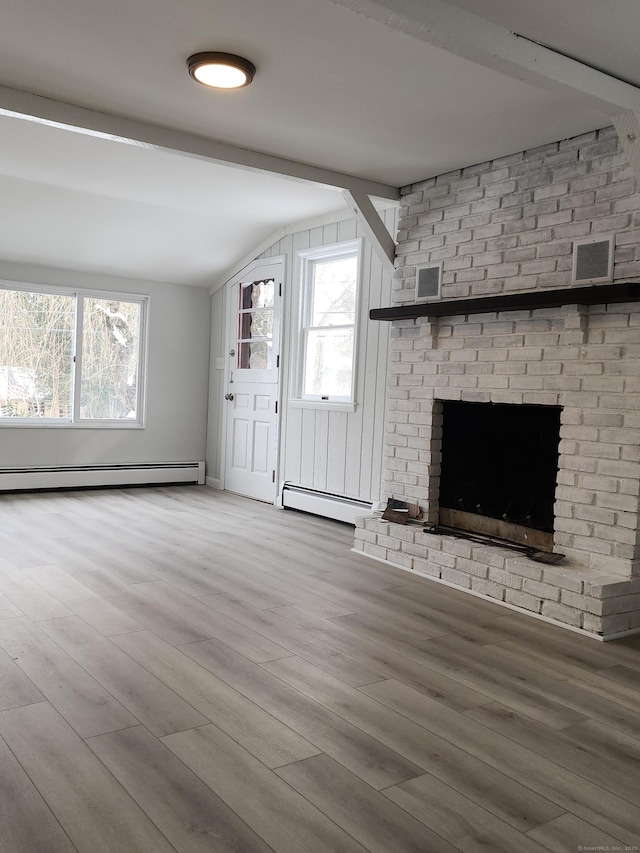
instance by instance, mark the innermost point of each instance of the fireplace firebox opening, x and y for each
(499, 468)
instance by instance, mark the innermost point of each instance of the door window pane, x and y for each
(256, 355)
(255, 325)
(258, 294)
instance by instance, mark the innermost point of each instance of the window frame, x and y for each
(75, 421)
(308, 258)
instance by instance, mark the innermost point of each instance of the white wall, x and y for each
(216, 390)
(177, 382)
(340, 452)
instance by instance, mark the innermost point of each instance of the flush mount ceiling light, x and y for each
(221, 70)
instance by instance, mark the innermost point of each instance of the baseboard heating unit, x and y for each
(325, 504)
(79, 476)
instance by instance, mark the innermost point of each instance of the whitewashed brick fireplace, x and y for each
(508, 227)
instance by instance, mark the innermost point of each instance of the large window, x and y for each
(328, 337)
(70, 357)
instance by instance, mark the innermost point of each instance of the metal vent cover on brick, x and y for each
(593, 260)
(428, 277)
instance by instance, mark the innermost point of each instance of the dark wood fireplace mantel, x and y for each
(600, 294)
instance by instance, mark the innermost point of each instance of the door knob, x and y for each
(228, 396)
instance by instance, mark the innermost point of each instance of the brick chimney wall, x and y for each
(505, 227)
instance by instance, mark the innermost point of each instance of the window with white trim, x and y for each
(70, 357)
(330, 285)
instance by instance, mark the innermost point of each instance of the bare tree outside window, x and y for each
(36, 354)
(110, 348)
(40, 357)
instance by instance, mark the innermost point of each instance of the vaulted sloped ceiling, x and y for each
(391, 91)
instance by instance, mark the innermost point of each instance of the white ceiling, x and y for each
(338, 85)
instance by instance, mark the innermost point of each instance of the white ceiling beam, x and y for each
(627, 126)
(371, 222)
(471, 37)
(25, 105)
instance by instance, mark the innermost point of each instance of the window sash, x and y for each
(80, 298)
(309, 330)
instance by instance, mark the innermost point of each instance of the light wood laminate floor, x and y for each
(185, 670)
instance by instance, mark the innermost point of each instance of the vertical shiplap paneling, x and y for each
(347, 230)
(321, 450)
(340, 452)
(291, 445)
(330, 234)
(337, 453)
(307, 466)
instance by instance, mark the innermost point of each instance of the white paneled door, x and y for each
(251, 397)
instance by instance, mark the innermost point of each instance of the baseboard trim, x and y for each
(213, 483)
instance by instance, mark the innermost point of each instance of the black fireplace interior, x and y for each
(501, 461)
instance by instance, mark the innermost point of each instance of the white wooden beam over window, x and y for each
(25, 105)
(469, 36)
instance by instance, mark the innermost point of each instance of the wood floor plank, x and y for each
(110, 552)
(283, 818)
(8, 609)
(387, 662)
(429, 747)
(260, 733)
(300, 639)
(16, 688)
(509, 682)
(189, 813)
(28, 596)
(578, 696)
(565, 788)
(179, 619)
(443, 618)
(467, 825)
(141, 693)
(353, 579)
(367, 610)
(311, 601)
(570, 833)
(577, 682)
(557, 642)
(106, 617)
(101, 582)
(619, 774)
(78, 697)
(365, 756)
(27, 823)
(367, 815)
(189, 575)
(60, 584)
(232, 577)
(93, 809)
